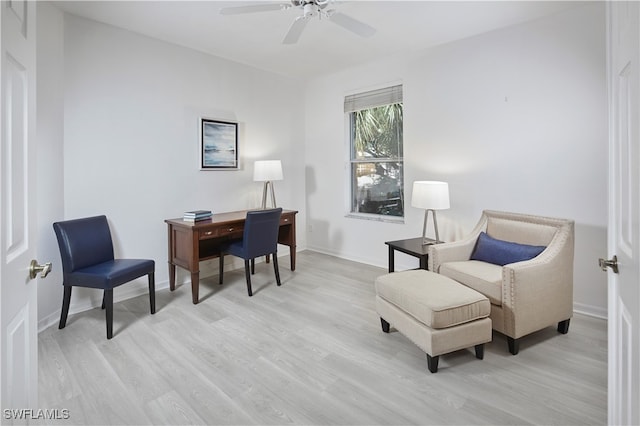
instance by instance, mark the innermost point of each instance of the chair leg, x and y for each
(432, 363)
(563, 326)
(221, 268)
(276, 269)
(247, 273)
(102, 306)
(152, 292)
(253, 266)
(108, 302)
(66, 300)
(514, 345)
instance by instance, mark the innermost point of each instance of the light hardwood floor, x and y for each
(309, 352)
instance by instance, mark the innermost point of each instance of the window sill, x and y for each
(376, 217)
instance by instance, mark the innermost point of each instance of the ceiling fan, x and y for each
(310, 9)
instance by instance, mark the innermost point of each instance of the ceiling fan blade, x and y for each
(295, 30)
(237, 10)
(352, 24)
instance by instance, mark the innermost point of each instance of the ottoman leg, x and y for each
(432, 363)
(480, 351)
(385, 325)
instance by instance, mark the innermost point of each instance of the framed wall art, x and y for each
(218, 145)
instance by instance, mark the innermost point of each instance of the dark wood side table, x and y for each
(412, 247)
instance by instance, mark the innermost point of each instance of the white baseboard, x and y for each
(48, 321)
(592, 311)
(346, 257)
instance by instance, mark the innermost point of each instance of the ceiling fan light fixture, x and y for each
(310, 10)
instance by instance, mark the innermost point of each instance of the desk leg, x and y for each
(195, 287)
(392, 266)
(292, 257)
(172, 276)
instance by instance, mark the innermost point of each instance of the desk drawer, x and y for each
(285, 220)
(235, 230)
(221, 231)
(208, 233)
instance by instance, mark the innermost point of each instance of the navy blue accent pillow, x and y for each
(500, 252)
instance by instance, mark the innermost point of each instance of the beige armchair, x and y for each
(525, 296)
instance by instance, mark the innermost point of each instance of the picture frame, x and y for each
(218, 145)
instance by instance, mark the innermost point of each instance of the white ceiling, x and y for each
(255, 39)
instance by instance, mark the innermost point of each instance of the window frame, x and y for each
(351, 183)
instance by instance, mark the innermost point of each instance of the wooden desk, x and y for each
(190, 243)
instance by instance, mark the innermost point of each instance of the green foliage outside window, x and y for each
(377, 161)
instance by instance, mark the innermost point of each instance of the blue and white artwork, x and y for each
(219, 144)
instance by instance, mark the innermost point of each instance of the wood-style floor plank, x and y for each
(309, 352)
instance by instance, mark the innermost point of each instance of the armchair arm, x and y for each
(456, 250)
(539, 292)
(450, 252)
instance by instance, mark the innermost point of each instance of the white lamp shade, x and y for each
(432, 195)
(267, 170)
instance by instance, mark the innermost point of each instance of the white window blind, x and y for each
(373, 98)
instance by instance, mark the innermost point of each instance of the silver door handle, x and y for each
(34, 268)
(613, 264)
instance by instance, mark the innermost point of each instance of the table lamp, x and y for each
(267, 171)
(431, 196)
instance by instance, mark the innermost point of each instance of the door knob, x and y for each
(613, 264)
(34, 268)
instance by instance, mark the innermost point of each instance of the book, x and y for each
(197, 215)
(196, 219)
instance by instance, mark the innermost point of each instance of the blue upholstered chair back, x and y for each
(84, 242)
(260, 233)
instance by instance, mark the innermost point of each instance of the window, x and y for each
(377, 182)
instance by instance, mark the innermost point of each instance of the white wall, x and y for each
(131, 110)
(50, 135)
(514, 120)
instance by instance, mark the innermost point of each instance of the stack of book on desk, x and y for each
(197, 215)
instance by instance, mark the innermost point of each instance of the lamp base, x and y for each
(428, 241)
(268, 184)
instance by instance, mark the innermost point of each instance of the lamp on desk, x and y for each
(431, 196)
(267, 171)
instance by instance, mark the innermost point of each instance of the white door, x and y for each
(18, 297)
(623, 62)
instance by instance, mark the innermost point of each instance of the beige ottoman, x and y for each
(436, 313)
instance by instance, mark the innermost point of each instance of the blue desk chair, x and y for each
(87, 256)
(260, 238)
